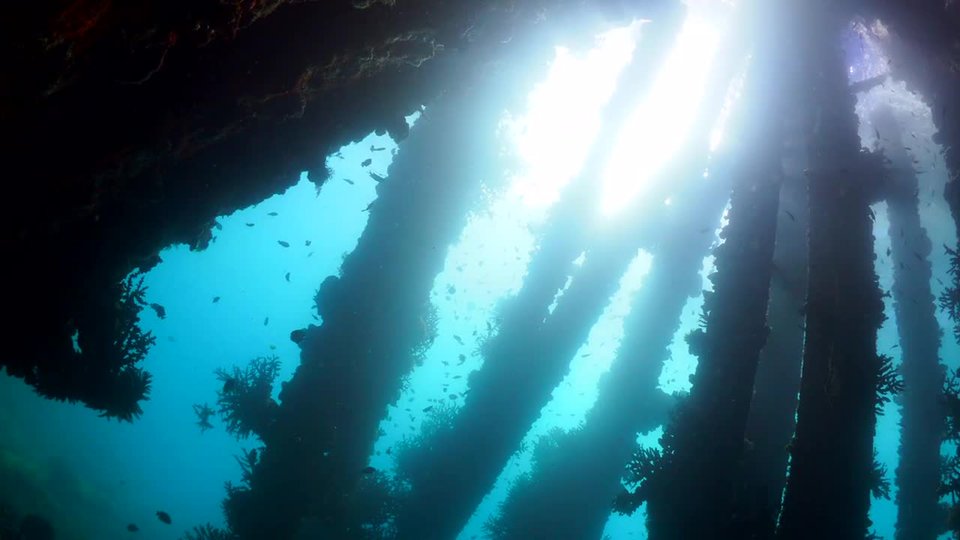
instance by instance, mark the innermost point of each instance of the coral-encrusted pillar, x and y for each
(828, 491)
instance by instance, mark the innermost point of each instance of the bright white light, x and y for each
(657, 128)
(554, 136)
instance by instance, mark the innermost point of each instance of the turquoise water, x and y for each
(95, 477)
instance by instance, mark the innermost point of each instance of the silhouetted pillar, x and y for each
(584, 474)
(529, 355)
(352, 365)
(773, 411)
(828, 491)
(694, 494)
(918, 472)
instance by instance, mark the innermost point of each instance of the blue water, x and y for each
(94, 477)
(163, 461)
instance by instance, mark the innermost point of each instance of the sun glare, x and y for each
(658, 126)
(553, 137)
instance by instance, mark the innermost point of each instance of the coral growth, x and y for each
(203, 412)
(643, 467)
(950, 466)
(245, 401)
(132, 343)
(207, 532)
(546, 455)
(951, 403)
(950, 297)
(438, 421)
(374, 505)
(879, 484)
(888, 382)
(247, 461)
(109, 345)
(429, 319)
(127, 346)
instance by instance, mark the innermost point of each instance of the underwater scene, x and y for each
(483, 270)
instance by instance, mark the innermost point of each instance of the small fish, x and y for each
(368, 470)
(369, 206)
(283, 243)
(458, 339)
(873, 217)
(133, 527)
(309, 254)
(274, 214)
(792, 217)
(160, 310)
(266, 321)
(888, 252)
(918, 256)
(349, 181)
(287, 277)
(453, 396)
(307, 243)
(376, 149)
(249, 224)
(377, 178)
(877, 132)
(428, 409)
(216, 299)
(366, 162)
(164, 517)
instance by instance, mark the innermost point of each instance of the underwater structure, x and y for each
(802, 243)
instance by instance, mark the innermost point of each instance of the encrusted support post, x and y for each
(836, 418)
